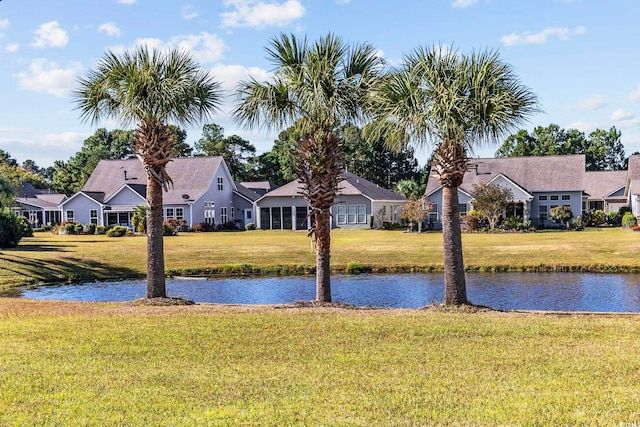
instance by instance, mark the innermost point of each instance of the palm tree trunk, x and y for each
(455, 290)
(323, 256)
(155, 246)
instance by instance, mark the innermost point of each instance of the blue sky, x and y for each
(580, 57)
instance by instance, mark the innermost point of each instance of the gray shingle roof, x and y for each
(190, 176)
(602, 183)
(350, 185)
(247, 193)
(534, 174)
(28, 194)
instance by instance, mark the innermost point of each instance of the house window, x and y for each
(220, 183)
(566, 197)
(93, 214)
(362, 214)
(209, 204)
(209, 214)
(248, 213)
(542, 197)
(554, 197)
(223, 215)
(433, 212)
(70, 216)
(543, 212)
(462, 208)
(233, 212)
(342, 214)
(351, 214)
(179, 213)
(169, 213)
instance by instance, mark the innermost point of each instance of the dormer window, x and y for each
(220, 183)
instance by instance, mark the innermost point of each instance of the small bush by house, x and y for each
(117, 231)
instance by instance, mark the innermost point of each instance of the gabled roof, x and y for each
(633, 176)
(246, 193)
(191, 176)
(32, 196)
(259, 185)
(600, 184)
(139, 189)
(533, 174)
(351, 185)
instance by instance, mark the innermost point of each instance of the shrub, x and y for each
(68, 227)
(117, 231)
(470, 222)
(198, 227)
(355, 267)
(25, 227)
(576, 224)
(168, 229)
(90, 228)
(78, 228)
(594, 218)
(250, 226)
(101, 229)
(562, 214)
(629, 220)
(9, 229)
(614, 219)
(623, 210)
(513, 223)
(176, 224)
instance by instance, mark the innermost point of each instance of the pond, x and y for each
(504, 291)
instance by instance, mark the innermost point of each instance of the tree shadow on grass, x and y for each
(19, 271)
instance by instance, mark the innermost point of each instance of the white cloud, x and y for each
(50, 34)
(585, 127)
(204, 47)
(188, 12)
(110, 28)
(592, 103)
(463, 3)
(43, 148)
(343, 1)
(635, 95)
(230, 75)
(49, 77)
(127, 1)
(12, 47)
(4, 24)
(622, 115)
(259, 14)
(562, 33)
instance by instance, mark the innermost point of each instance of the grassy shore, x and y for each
(97, 364)
(49, 258)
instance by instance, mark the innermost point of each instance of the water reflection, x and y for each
(506, 291)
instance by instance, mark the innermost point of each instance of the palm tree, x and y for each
(319, 86)
(139, 219)
(149, 89)
(456, 102)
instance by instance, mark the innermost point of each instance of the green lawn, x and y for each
(97, 364)
(47, 257)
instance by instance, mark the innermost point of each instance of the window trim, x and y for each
(71, 217)
(220, 183)
(566, 197)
